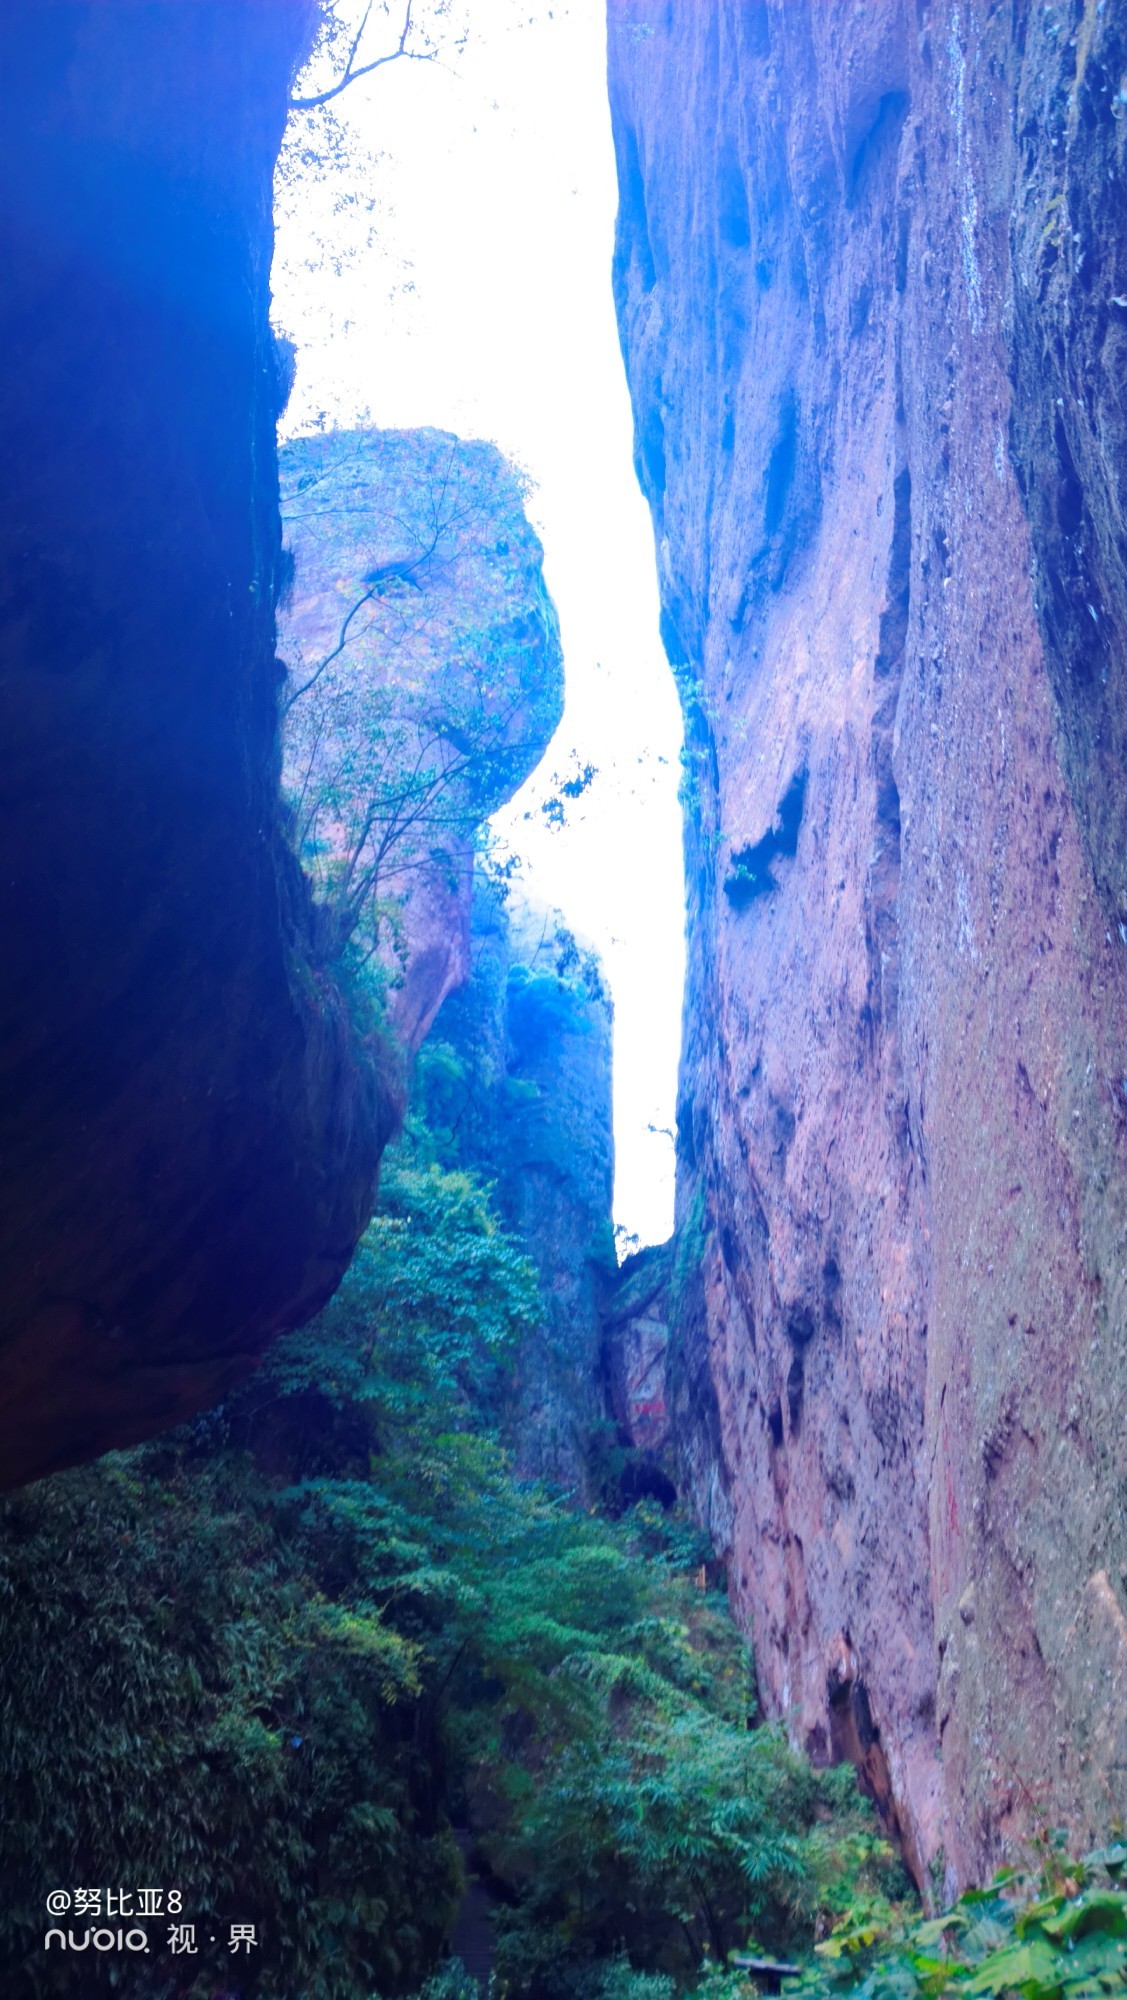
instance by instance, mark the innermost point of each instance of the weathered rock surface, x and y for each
(871, 269)
(425, 682)
(532, 1110)
(189, 1127)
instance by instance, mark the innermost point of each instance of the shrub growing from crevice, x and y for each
(751, 871)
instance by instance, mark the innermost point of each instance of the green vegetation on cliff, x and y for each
(277, 1657)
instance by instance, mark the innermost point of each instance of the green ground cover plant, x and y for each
(1057, 1931)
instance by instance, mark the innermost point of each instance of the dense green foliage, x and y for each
(181, 1704)
(435, 1303)
(274, 1658)
(1057, 1934)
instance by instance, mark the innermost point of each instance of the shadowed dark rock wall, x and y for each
(871, 268)
(190, 1132)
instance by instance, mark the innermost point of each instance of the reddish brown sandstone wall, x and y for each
(868, 271)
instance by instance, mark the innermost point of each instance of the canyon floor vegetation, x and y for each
(326, 1627)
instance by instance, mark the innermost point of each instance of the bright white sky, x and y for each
(459, 275)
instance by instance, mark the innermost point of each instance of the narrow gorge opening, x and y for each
(444, 240)
(426, 1573)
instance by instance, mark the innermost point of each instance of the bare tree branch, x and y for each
(399, 571)
(330, 657)
(351, 75)
(300, 807)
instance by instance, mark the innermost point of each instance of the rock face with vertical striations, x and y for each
(871, 273)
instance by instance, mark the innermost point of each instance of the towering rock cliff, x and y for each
(425, 682)
(529, 1104)
(191, 1121)
(871, 273)
(190, 1132)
